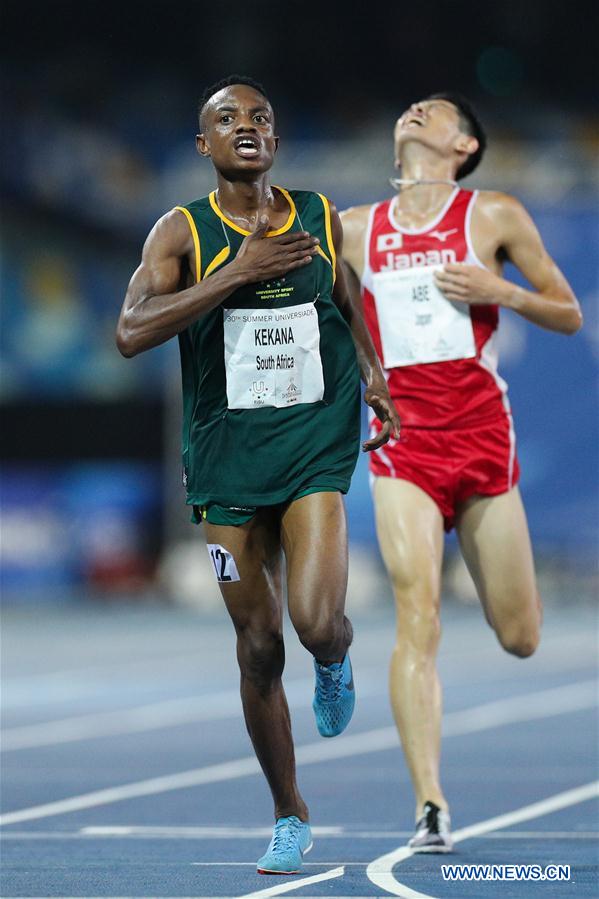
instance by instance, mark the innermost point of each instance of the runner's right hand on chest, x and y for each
(273, 257)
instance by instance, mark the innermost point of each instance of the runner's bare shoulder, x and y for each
(170, 236)
(496, 206)
(355, 224)
(355, 217)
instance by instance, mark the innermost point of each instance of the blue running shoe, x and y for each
(291, 839)
(334, 697)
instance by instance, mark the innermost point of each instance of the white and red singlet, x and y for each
(440, 361)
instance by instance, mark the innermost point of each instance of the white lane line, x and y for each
(296, 884)
(542, 704)
(154, 785)
(252, 864)
(535, 810)
(226, 704)
(168, 713)
(526, 707)
(330, 832)
(66, 684)
(255, 833)
(380, 870)
(56, 687)
(200, 833)
(154, 716)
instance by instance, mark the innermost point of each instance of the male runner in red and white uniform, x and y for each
(429, 265)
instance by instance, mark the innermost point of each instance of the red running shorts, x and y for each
(452, 465)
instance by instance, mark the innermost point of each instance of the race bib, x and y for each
(417, 323)
(224, 563)
(272, 357)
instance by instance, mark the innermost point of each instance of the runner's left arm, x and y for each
(552, 304)
(349, 303)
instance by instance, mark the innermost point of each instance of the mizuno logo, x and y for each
(443, 235)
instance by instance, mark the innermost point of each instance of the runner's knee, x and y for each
(411, 569)
(327, 637)
(261, 656)
(519, 640)
(418, 628)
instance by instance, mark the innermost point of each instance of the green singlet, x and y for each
(271, 387)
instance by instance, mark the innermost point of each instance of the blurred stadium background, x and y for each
(98, 141)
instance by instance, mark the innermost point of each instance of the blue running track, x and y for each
(127, 771)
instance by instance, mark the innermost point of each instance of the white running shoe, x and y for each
(433, 831)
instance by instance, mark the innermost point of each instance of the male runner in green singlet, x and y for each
(271, 352)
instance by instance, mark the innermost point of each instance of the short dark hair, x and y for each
(227, 82)
(470, 124)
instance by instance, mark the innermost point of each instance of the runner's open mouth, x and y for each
(247, 146)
